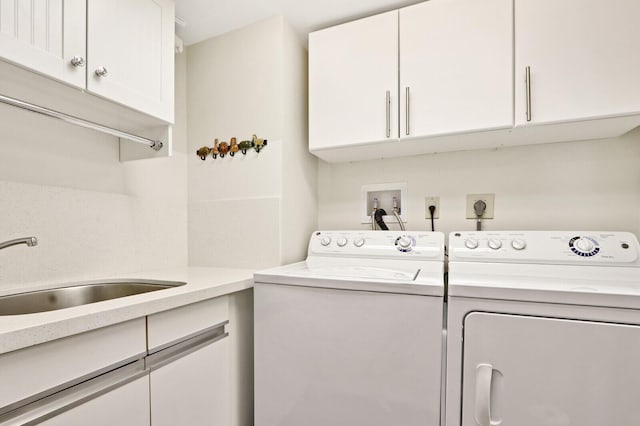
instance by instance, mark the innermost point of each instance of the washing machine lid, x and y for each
(410, 262)
(548, 267)
(387, 276)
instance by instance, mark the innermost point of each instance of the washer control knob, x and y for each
(584, 245)
(358, 242)
(404, 242)
(342, 241)
(325, 241)
(495, 243)
(519, 244)
(471, 243)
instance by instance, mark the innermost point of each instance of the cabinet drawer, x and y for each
(32, 373)
(169, 327)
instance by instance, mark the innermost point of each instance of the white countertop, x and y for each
(20, 331)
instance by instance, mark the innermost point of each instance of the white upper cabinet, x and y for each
(47, 36)
(131, 55)
(456, 60)
(120, 50)
(582, 56)
(353, 83)
(446, 64)
(475, 74)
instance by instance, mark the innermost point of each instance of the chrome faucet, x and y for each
(29, 241)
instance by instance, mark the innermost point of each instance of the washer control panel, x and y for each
(545, 247)
(378, 244)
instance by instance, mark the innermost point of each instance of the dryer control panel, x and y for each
(545, 247)
(413, 245)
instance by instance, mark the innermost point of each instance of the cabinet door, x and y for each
(456, 63)
(529, 371)
(44, 36)
(352, 68)
(583, 58)
(125, 405)
(193, 390)
(131, 43)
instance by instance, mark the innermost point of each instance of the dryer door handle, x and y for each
(484, 374)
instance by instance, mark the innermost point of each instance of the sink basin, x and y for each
(76, 295)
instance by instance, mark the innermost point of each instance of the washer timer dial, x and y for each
(405, 243)
(584, 246)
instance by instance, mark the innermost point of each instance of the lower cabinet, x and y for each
(125, 405)
(190, 366)
(194, 389)
(119, 397)
(176, 372)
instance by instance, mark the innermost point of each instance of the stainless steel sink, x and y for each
(77, 294)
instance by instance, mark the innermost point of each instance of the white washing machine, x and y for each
(544, 329)
(353, 335)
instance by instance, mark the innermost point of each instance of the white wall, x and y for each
(584, 185)
(253, 210)
(93, 215)
(249, 81)
(299, 168)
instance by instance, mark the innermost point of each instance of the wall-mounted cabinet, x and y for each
(455, 71)
(439, 67)
(582, 59)
(353, 83)
(130, 53)
(459, 81)
(120, 50)
(105, 61)
(47, 37)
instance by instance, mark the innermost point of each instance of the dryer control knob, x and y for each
(470, 243)
(342, 241)
(495, 243)
(405, 242)
(584, 245)
(358, 242)
(519, 244)
(325, 241)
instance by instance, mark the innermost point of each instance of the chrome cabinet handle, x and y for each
(77, 61)
(484, 373)
(102, 72)
(527, 80)
(407, 131)
(388, 103)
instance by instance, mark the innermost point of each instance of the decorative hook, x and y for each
(258, 144)
(244, 146)
(233, 148)
(202, 152)
(223, 149)
(214, 150)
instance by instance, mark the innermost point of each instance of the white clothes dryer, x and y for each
(353, 335)
(544, 329)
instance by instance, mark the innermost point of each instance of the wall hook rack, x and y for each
(232, 148)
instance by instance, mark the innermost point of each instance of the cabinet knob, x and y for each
(102, 72)
(77, 61)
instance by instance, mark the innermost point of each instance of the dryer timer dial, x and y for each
(584, 246)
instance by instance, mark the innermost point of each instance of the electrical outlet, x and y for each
(431, 201)
(487, 198)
